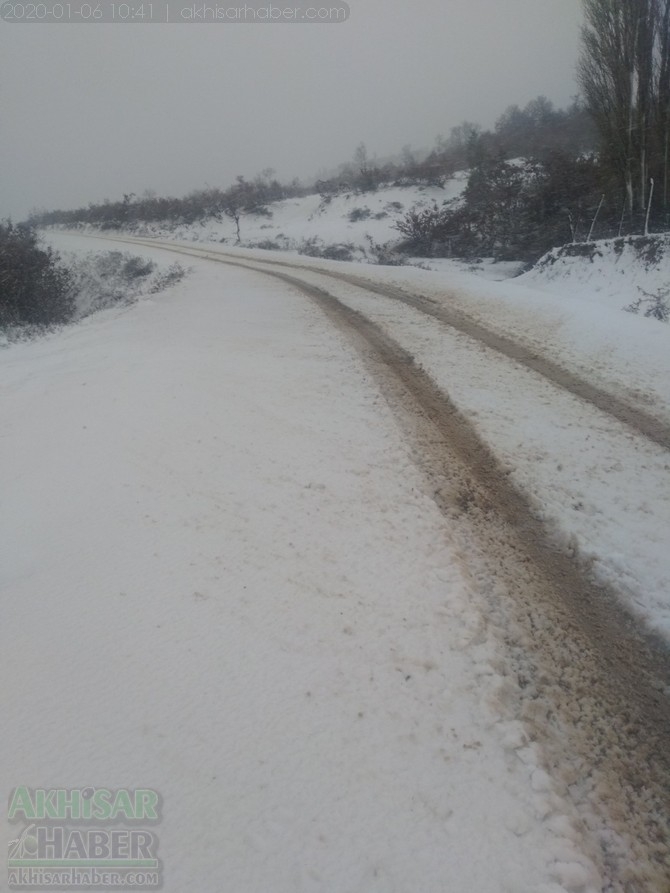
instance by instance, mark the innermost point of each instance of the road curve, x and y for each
(592, 686)
(642, 422)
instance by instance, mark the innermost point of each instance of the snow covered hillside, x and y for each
(355, 226)
(612, 272)
(348, 221)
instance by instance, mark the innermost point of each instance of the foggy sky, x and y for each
(89, 112)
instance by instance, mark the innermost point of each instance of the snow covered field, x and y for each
(224, 578)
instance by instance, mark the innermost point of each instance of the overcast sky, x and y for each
(89, 112)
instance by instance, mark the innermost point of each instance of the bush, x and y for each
(385, 254)
(357, 214)
(656, 305)
(137, 268)
(315, 248)
(104, 279)
(90, 283)
(425, 229)
(266, 245)
(174, 274)
(34, 288)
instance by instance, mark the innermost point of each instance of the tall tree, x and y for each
(624, 72)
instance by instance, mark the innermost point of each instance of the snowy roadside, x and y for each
(223, 581)
(604, 492)
(570, 305)
(579, 328)
(627, 354)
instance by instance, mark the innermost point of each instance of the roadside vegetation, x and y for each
(40, 290)
(35, 288)
(540, 178)
(534, 181)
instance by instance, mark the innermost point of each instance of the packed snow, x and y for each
(218, 541)
(224, 579)
(603, 492)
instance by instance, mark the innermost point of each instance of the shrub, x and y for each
(266, 245)
(357, 214)
(104, 279)
(115, 278)
(649, 250)
(313, 248)
(657, 305)
(424, 228)
(137, 268)
(34, 288)
(36, 291)
(174, 274)
(386, 254)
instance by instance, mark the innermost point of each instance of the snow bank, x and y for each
(610, 272)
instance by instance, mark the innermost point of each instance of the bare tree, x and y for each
(233, 203)
(624, 72)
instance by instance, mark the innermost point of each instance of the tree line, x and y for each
(624, 72)
(540, 177)
(555, 139)
(608, 177)
(243, 196)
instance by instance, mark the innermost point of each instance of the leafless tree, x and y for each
(624, 71)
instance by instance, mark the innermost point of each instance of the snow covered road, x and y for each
(221, 539)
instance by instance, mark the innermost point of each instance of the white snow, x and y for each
(350, 218)
(604, 492)
(223, 579)
(610, 272)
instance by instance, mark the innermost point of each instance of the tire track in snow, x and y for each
(592, 687)
(590, 684)
(640, 421)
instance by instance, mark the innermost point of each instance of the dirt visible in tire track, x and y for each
(642, 422)
(589, 681)
(593, 687)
